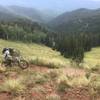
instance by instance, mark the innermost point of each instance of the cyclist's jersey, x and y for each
(10, 54)
(7, 54)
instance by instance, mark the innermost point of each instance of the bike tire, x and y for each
(23, 64)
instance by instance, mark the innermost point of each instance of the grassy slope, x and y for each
(93, 57)
(42, 82)
(34, 51)
(46, 54)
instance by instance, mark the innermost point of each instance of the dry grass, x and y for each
(37, 54)
(53, 97)
(12, 86)
(92, 58)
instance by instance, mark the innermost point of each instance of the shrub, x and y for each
(53, 97)
(94, 84)
(47, 62)
(2, 69)
(13, 86)
(40, 79)
(30, 78)
(38, 89)
(80, 81)
(88, 74)
(54, 74)
(96, 68)
(63, 83)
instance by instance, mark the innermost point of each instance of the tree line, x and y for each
(71, 45)
(22, 30)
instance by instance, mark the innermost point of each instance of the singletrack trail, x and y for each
(67, 70)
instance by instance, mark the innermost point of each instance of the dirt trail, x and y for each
(68, 71)
(74, 71)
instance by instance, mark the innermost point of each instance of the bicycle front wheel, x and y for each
(23, 64)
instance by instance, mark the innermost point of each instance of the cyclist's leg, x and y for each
(9, 61)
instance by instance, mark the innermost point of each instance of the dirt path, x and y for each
(74, 71)
(81, 93)
(68, 71)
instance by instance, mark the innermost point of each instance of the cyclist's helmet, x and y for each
(4, 49)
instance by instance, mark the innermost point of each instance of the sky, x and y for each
(57, 5)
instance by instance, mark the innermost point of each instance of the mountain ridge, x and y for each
(30, 13)
(78, 18)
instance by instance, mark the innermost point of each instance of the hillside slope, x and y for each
(34, 51)
(80, 20)
(32, 14)
(42, 83)
(7, 15)
(93, 57)
(29, 13)
(46, 55)
(13, 12)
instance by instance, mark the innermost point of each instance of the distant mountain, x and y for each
(7, 15)
(29, 13)
(33, 14)
(49, 14)
(81, 20)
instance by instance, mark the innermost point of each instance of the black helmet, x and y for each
(4, 49)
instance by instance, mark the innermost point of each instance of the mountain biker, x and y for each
(12, 58)
(8, 55)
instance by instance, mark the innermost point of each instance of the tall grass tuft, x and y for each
(13, 86)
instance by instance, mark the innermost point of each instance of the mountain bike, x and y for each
(17, 61)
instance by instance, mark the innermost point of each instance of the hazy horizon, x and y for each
(59, 6)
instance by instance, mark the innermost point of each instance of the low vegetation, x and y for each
(53, 97)
(92, 58)
(48, 84)
(37, 54)
(53, 81)
(12, 86)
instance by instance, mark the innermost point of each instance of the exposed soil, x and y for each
(81, 93)
(74, 72)
(76, 94)
(40, 68)
(68, 71)
(5, 96)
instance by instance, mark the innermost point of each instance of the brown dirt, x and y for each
(5, 96)
(39, 68)
(76, 94)
(68, 71)
(81, 93)
(2, 77)
(74, 72)
(72, 94)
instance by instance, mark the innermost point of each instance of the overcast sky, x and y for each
(57, 5)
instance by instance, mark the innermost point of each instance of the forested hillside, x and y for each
(80, 20)
(22, 30)
(76, 32)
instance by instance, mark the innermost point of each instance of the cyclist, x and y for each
(8, 55)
